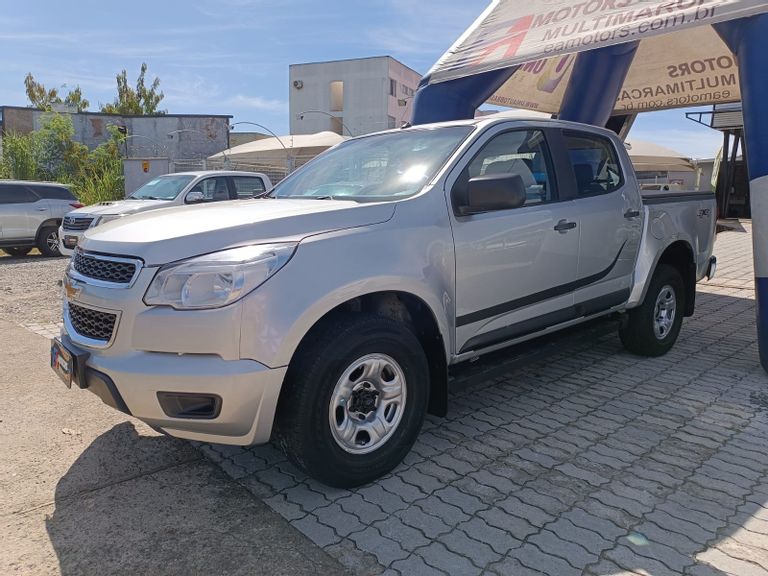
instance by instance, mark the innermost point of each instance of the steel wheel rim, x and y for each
(52, 240)
(367, 403)
(664, 312)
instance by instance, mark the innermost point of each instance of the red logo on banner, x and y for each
(508, 46)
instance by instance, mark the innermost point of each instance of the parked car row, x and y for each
(40, 214)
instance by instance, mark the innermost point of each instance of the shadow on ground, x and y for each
(185, 517)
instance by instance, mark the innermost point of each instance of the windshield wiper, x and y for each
(147, 198)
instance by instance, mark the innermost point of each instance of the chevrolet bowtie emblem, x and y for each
(71, 289)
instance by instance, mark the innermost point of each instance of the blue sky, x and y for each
(232, 56)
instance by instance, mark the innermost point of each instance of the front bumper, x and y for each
(66, 243)
(248, 392)
(155, 353)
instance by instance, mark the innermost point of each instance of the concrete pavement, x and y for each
(87, 490)
(586, 461)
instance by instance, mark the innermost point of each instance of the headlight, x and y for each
(217, 279)
(106, 218)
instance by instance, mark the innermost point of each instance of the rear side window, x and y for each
(16, 194)
(595, 163)
(53, 192)
(248, 187)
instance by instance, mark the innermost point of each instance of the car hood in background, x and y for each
(119, 207)
(171, 234)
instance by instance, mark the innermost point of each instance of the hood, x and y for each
(162, 236)
(120, 207)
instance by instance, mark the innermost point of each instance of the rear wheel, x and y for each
(48, 241)
(354, 400)
(17, 252)
(652, 328)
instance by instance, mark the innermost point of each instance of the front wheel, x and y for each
(652, 328)
(48, 241)
(354, 400)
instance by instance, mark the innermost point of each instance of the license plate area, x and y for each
(68, 364)
(70, 241)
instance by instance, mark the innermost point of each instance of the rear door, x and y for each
(59, 199)
(21, 212)
(514, 267)
(609, 211)
(248, 187)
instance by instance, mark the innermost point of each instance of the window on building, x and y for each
(392, 87)
(405, 90)
(391, 122)
(337, 96)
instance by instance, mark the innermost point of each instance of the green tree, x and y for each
(41, 97)
(142, 100)
(75, 100)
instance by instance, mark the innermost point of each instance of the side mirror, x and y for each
(493, 192)
(194, 197)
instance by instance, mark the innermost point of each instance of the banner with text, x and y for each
(681, 61)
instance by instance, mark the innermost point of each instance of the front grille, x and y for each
(74, 223)
(103, 269)
(92, 323)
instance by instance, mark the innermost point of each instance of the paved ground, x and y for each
(585, 461)
(591, 461)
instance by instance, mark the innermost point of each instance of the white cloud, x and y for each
(258, 103)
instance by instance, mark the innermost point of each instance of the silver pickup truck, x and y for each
(326, 315)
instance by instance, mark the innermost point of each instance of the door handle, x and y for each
(563, 226)
(629, 214)
(41, 209)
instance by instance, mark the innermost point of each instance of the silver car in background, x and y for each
(175, 189)
(30, 215)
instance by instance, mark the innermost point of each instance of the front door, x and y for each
(514, 267)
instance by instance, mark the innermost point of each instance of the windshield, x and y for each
(389, 166)
(162, 188)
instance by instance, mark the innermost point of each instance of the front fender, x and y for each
(334, 268)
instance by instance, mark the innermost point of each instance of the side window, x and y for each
(213, 189)
(53, 192)
(595, 163)
(521, 152)
(246, 187)
(16, 194)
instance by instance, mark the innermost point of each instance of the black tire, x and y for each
(48, 241)
(304, 427)
(17, 252)
(640, 333)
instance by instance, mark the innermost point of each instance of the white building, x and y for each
(351, 97)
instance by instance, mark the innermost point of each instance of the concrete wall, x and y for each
(368, 105)
(174, 136)
(135, 174)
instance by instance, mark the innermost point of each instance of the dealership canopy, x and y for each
(692, 66)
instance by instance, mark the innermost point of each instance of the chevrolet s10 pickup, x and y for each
(326, 314)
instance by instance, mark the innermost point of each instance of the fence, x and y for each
(275, 169)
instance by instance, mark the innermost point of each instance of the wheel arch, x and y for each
(679, 255)
(411, 310)
(51, 222)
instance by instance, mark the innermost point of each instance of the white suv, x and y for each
(162, 192)
(30, 214)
